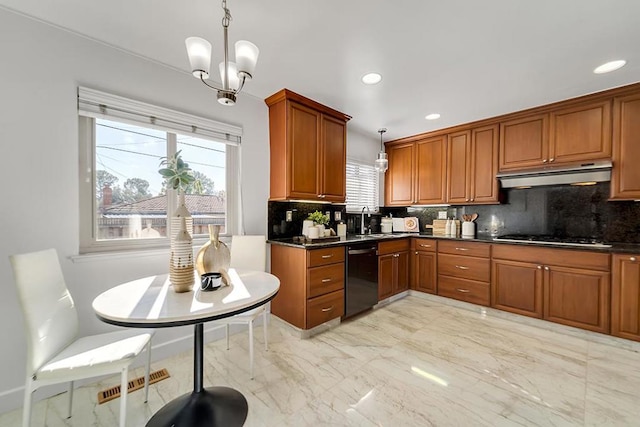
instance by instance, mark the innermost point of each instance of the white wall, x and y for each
(40, 71)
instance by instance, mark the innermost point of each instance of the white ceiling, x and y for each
(465, 59)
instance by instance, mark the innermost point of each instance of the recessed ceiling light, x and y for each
(432, 116)
(610, 66)
(371, 78)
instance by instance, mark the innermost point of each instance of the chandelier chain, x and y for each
(227, 14)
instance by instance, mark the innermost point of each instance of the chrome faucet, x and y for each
(362, 218)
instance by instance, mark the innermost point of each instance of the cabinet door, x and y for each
(402, 272)
(459, 167)
(385, 276)
(399, 176)
(625, 178)
(484, 165)
(524, 143)
(304, 152)
(580, 133)
(517, 287)
(577, 297)
(423, 272)
(430, 173)
(334, 151)
(625, 297)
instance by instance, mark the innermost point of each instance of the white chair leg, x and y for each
(226, 331)
(70, 391)
(124, 385)
(251, 347)
(26, 410)
(146, 374)
(264, 326)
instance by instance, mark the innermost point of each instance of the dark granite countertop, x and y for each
(354, 238)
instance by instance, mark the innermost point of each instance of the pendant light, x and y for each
(382, 164)
(232, 74)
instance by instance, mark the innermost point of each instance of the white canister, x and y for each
(306, 224)
(469, 229)
(314, 232)
(386, 225)
(342, 229)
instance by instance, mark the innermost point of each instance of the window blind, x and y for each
(101, 105)
(362, 186)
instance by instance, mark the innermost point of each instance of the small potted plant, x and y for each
(319, 218)
(176, 172)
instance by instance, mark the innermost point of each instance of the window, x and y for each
(362, 186)
(124, 202)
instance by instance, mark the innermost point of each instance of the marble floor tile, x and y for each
(413, 362)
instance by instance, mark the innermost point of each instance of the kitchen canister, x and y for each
(306, 224)
(469, 229)
(313, 232)
(386, 225)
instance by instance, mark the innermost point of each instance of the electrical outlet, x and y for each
(442, 214)
(337, 216)
(328, 215)
(289, 216)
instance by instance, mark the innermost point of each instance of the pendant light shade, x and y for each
(199, 51)
(382, 164)
(246, 57)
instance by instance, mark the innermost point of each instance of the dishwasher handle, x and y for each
(370, 250)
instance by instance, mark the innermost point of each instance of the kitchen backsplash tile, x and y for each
(279, 227)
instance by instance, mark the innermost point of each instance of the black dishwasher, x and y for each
(361, 288)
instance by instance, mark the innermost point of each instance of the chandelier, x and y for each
(382, 164)
(233, 74)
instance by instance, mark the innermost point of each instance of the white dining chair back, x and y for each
(249, 253)
(55, 354)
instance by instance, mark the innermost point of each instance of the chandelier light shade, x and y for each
(382, 164)
(232, 74)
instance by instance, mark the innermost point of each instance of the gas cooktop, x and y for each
(552, 240)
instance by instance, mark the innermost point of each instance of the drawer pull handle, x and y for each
(425, 246)
(462, 249)
(632, 259)
(326, 256)
(462, 267)
(326, 280)
(324, 310)
(464, 291)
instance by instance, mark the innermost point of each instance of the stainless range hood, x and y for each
(587, 172)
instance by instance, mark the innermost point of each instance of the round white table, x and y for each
(150, 302)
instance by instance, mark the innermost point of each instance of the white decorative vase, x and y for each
(181, 263)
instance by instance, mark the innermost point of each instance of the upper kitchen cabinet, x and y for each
(472, 164)
(625, 178)
(573, 134)
(417, 172)
(308, 149)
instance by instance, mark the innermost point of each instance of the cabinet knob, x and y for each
(466, 200)
(539, 267)
(546, 268)
(632, 259)
(472, 199)
(544, 161)
(551, 160)
(416, 252)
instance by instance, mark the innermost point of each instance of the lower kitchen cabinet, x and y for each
(464, 271)
(393, 267)
(529, 281)
(625, 296)
(424, 276)
(311, 284)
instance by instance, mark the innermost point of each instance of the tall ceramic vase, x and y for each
(181, 263)
(213, 256)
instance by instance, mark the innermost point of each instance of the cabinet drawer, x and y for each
(465, 248)
(393, 246)
(428, 245)
(464, 290)
(324, 308)
(325, 279)
(317, 257)
(546, 256)
(464, 266)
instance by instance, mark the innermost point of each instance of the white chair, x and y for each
(54, 352)
(249, 253)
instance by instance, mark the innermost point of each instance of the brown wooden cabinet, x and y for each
(464, 271)
(311, 284)
(625, 178)
(564, 135)
(531, 281)
(472, 164)
(308, 149)
(423, 265)
(393, 267)
(417, 172)
(625, 296)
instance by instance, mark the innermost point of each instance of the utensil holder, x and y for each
(469, 229)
